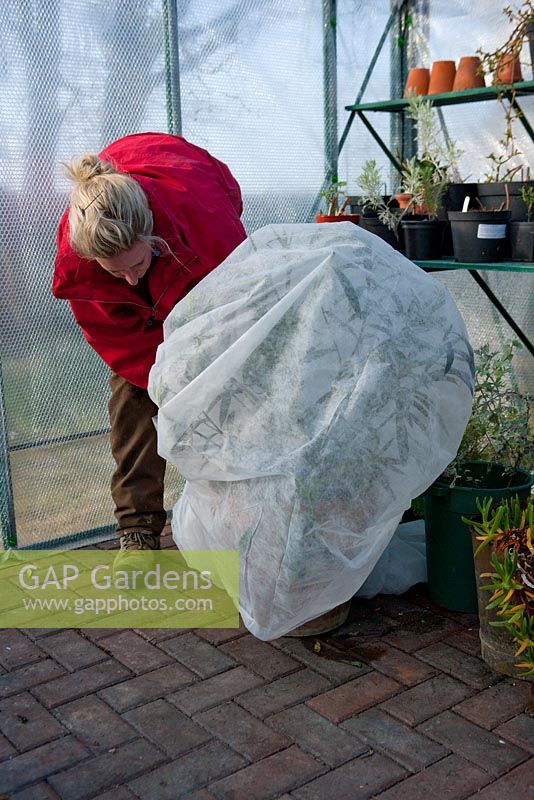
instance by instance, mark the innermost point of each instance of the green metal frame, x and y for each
(398, 106)
(504, 266)
(172, 66)
(482, 94)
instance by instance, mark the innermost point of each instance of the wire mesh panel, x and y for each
(74, 76)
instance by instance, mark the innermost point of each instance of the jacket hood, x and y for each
(187, 190)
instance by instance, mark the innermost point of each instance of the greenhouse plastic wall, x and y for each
(248, 84)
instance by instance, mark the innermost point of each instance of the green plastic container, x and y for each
(449, 553)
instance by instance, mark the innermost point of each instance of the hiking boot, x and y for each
(140, 540)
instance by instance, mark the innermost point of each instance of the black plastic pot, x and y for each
(454, 195)
(522, 241)
(479, 236)
(373, 225)
(422, 239)
(493, 196)
(453, 200)
(356, 205)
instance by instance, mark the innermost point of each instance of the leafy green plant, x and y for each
(508, 529)
(422, 181)
(371, 183)
(499, 429)
(333, 195)
(503, 163)
(527, 196)
(521, 19)
(434, 147)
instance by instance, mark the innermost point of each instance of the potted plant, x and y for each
(378, 214)
(522, 233)
(507, 174)
(504, 566)
(335, 205)
(444, 154)
(493, 461)
(481, 235)
(422, 235)
(505, 61)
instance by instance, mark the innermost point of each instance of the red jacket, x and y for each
(196, 205)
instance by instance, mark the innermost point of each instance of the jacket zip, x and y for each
(150, 320)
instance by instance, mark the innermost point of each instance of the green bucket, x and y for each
(449, 553)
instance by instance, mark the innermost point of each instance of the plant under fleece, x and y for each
(500, 428)
(508, 529)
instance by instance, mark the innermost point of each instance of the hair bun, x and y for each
(89, 166)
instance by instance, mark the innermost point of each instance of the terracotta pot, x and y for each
(417, 83)
(508, 70)
(338, 218)
(442, 77)
(403, 198)
(467, 76)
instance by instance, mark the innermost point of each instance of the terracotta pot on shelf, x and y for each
(467, 75)
(508, 70)
(403, 198)
(442, 77)
(417, 83)
(338, 218)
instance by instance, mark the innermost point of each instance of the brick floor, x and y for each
(267, 779)
(396, 704)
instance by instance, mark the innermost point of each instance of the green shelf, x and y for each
(450, 98)
(499, 266)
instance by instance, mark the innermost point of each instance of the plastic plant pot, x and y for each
(479, 236)
(522, 241)
(505, 196)
(451, 572)
(422, 239)
(373, 225)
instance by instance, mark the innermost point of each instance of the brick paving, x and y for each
(396, 704)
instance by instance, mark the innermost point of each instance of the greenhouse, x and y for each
(268, 313)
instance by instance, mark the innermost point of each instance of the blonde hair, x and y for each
(108, 212)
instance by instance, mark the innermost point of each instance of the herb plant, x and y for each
(499, 429)
(434, 147)
(422, 181)
(508, 530)
(371, 183)
(333, 196)
(527, 196)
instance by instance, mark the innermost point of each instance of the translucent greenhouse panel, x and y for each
(74, 76)
(476, 127)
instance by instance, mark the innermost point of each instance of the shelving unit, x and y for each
(500, 266)
(484, 93)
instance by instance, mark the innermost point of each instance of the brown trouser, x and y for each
(137, 483)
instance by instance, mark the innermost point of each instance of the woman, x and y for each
(148, 219)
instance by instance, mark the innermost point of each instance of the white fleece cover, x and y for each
(309, 388)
